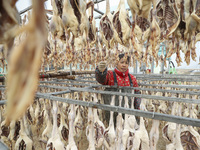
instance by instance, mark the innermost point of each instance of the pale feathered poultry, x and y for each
(154, 134)
(109, 134)
(127, 130)
(24, 64)
(23, 142)
(141, 139)
(12, 130)
(106, 28)
(90, 130)
(78, 122)
(176, 140)
(63, 128)
(71, 143)
(54, 141)
(169, 129)
(140, 7)
(70, 19)
(46, 134)
(37, 111)
(119, 128)
(98, 127)
(56, 26)
(190, 138)
(74, 17)
(92, 27)
(10, 20)
(155, 32)
(122, 25)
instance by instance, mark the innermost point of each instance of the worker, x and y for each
(119, 77)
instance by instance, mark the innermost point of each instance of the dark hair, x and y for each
(122, 55)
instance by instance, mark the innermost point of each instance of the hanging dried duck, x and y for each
(106, 28)
(122, 25)
(24, 64)
(155, 32)
(192, 21)
(168, 16)
(10, 19)
(92, 27)
(140, 10)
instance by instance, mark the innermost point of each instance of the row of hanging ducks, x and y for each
(73, 33)
(70, 122)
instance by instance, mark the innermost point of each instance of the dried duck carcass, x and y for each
(154, 134)
(9, 24)
(109, 134)
(74, 17)
(119, 128)
(23, 142)
(190, 138)
(141, 139)
(122, 25)
(71, 143)
(140, 7)
(169, 129)
(168, 15)
(99, 127)
(90, 130)
(192, 22)
(56, 26)
(106, 28)
(46, 134)
(155, 32)
(63, 128)
(140, 10)
(92, 27)
(24, 64)
(128, 132)
(54, 141)
(78, 122)
(176, 140)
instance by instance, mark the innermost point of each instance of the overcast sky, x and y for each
(22, 4)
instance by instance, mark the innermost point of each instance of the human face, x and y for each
(122, 65)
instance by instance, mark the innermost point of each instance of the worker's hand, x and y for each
(102, 66)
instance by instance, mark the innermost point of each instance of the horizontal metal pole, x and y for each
(2, 102)
(172, 86)
(137, 88)
(165, 75)
(175, 79)
(146, 114)
(2, 89)
(3, 146)
(183, 100)
(77, 80)
(100, 12)
(80, 77)
(60, 93)
(76, 84)
(98, 1)
(25, 10)
(174, 99)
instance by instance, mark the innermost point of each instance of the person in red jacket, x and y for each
(119, 77)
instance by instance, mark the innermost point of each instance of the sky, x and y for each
(22, 4)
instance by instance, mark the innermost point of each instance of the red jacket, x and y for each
(107, 78)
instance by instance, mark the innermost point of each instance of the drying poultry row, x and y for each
(72, 123)
(73, 38)
(172, 23)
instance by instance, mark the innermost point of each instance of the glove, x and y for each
(102, 66)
